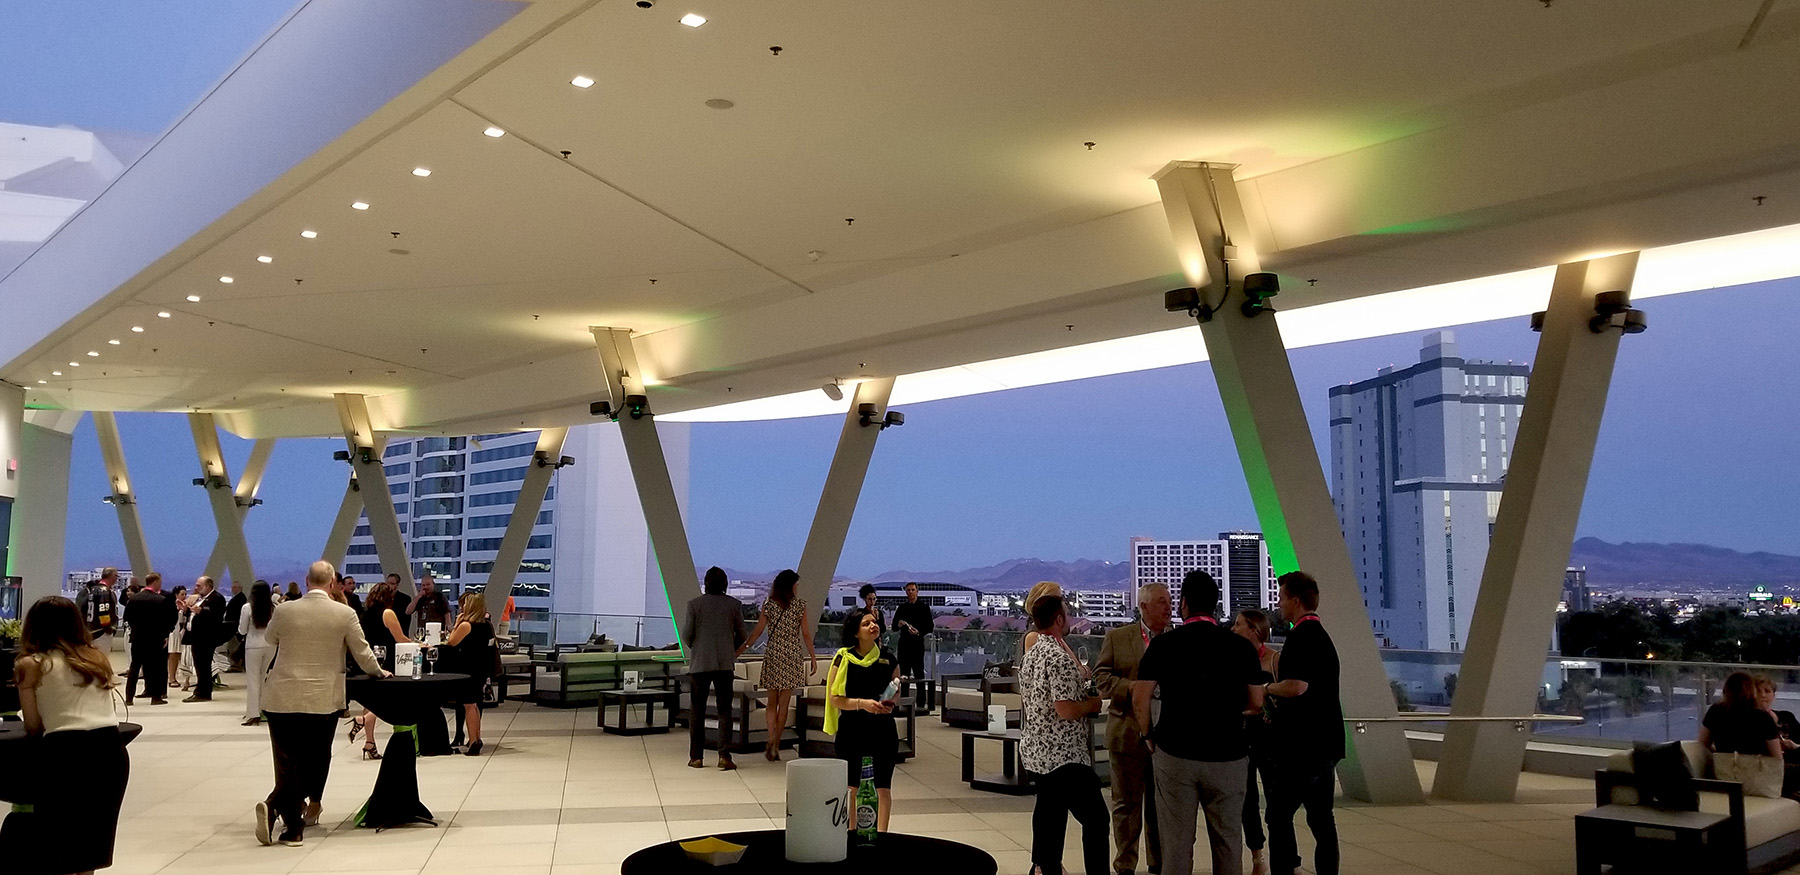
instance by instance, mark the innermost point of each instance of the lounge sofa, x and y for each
(749, 702)
(572, 680)
(966, 697)
(1761, 834)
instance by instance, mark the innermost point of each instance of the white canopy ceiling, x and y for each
(903, 188)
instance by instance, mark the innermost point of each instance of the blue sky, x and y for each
(1698, 444)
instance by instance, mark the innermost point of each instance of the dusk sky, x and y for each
(1699, 442)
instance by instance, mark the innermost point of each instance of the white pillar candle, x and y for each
(817, 811)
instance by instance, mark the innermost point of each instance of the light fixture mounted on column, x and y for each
(1613, 310)
(1258, 289)
(248, 502)
(866, 413)
(365, 455)
(117, 500)
(637, 406)
(214, 482)
(603, 408)
(542, 460)
(833, 391)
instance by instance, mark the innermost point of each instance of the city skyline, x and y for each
(1073, 470)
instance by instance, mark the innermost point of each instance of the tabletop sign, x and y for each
(817, 811)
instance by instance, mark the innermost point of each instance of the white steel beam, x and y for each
(245, 497)
(378, 503)
(1546, 479)
(649, 468)
(1281, 464)
(123, 498)
(542, 469)
(843, 487)
(216, 480)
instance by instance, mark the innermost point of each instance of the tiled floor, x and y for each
(552, 795)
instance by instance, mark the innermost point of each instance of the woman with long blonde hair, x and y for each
(66, 696)
(470, 651)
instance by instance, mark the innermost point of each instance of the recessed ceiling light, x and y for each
(193, 299)
(93, 354)
(692, 20)
(359, 205)
(309, 234)
(113, 342)
(137, 329)
(265, 259)
(43, 382)
(420, 171)
(495, 132)
(74, 364)
(56, 373)
(162, 314)
(227, 280)
(581, 82)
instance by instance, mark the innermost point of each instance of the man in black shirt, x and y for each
(1199, 754)
(151, 618)
(913, 619)
(1306, 732)
(402, 605)
(204, 634)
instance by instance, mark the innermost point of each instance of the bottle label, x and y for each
(865, 817)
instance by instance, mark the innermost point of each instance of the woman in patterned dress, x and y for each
(790, 637)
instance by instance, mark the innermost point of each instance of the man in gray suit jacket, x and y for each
(713, 633)
(302, 698)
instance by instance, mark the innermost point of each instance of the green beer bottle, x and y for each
(867, 804)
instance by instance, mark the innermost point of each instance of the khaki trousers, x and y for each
(1133, 792)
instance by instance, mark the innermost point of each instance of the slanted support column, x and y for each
(216, 480)
(649, 469)
(545, 461)
(1274, 443)
(843, 486)
(371, 479)
(350, 509)
(1546, 479)
(124, 498)
(244, 495)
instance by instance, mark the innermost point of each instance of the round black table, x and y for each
(412, 706)
(895, 853)
(18, 753)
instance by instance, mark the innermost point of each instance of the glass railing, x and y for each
(1619, 700)
(548, 631)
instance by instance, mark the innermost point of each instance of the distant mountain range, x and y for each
(1680, 564)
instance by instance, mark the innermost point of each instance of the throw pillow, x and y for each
(1760, 775)
(1663, 779)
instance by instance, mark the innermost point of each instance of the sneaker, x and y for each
(311, 817)
(265, 824)
(292, 839)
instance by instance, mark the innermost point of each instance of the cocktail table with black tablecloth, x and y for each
(18, 754)
(895, 853)
(413, 707)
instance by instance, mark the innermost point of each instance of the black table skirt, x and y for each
(895, 853)
(411, 702)
(19, 756)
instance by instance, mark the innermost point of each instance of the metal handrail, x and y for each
(1361, 724)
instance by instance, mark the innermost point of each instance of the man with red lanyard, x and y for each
(1306, 732)
(1132, 786)
(1207, 678)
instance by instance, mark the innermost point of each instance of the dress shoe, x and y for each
(726, 765)
(696, 764)
(311, 817)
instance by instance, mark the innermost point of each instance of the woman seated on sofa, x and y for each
(1737, 725)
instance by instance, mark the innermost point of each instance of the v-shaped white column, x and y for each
(124, 499)
(843, 487)
(1275, 446)
(216, 480)
(244, 495)
(538, 474)
(371, 479)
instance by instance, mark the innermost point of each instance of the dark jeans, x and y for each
(302, 746)
(1073, 789)
(1292, 784)
(1254, 837)
(153, 662)
(203, 671)
(720, 681)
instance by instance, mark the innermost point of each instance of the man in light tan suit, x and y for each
(1133, 796)
(302, 698)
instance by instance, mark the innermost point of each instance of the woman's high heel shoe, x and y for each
(474, 748)
(369, 751)
(355, 728)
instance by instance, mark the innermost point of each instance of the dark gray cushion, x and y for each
(1662, 777)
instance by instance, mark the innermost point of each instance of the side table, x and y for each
(670, 700)
(1668, 841)
(1012, 780)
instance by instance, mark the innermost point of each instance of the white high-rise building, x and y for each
(1418, 458)
(588, 561)
(1238, 562)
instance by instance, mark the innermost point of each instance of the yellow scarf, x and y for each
(840, 678)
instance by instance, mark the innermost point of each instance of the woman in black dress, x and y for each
(469, 650)
(381, 626)
(1737, 725)
(860, 690)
